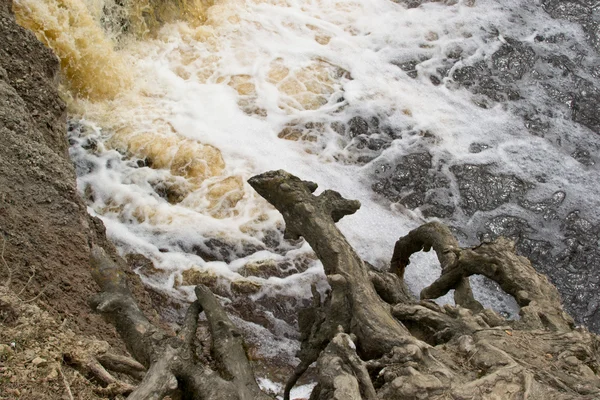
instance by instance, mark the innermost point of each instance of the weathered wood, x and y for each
(370, 338)
(342, 374)
(474, 353)
(539, 300)
(228, 348)
(314, 217)
(116, 303)
(171, 360)
(437, 236)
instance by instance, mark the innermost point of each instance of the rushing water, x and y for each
(449, 110)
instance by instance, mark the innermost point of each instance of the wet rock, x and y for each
(409, 67)
(366, 140)
(280, 268)
(582, 12)
(546, 207)
(245, 287)
(573, 11)
(417, 3)
(173, 190)
(536, 124)
(141, 263)
(376, 144)
(338, 127)
(284, 307)
(478, 147)
(476, 78)
(216, 249)
(541, 252)
(497, 78)
(562, 62)
(193, 277)
(575, 226)
(513, 60)
(586, 105)
(357, 126)
(554, 39)
(576, 276)
(481, 190)
(412, 182)
(248, 310)
(469, 75)
(261, 269)
(583, 156)
(592, 31)
(516, 66)
(508, 226)
(566, 90)
(454, 52)
(291, 133)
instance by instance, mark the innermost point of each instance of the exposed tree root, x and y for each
(171, 360)
(314, 217)
(466, 361)
(370, 338)
(97, 366)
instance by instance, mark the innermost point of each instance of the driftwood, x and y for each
(171, 360)
(370, 338)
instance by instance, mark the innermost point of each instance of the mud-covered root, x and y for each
(539, 300)
(437, 236)
(342, 374)
(369, 337)
(170, 360)
(435, 352)
(318, 325)
(314, 217)
(353, 302)
(99, 365)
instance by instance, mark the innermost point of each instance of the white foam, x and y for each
(298, 392)
(181, 85)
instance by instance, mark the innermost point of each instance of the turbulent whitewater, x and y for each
(481, 113)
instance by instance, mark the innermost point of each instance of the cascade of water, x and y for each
(415, 111)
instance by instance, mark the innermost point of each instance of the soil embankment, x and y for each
(45, 230)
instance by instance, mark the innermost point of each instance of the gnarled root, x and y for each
(369, 337)
(398, 347)
(353, 302)
(437, 236)
(538, 298)
(314, 217)
(171, 360)
(98, 366)
(342, 374)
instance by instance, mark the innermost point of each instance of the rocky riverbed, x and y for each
(549, 82)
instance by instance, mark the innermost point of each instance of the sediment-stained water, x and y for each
(477, 112)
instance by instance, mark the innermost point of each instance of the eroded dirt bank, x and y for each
(45, 230)
(45, 240)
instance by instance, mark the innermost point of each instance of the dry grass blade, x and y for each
(8, 270)
(66, 383)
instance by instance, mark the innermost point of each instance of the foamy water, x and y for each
(175, 116)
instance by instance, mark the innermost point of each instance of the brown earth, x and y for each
(45, 230)
(33, 350)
